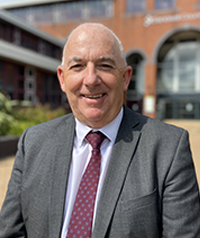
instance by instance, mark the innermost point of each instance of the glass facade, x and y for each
(27, 83)
(12, 79)
(179, 71)
(134, 6)
(178, 77)
(6, 31)
(22, 38)
(164, 4)
(62, 12)
(48, 89)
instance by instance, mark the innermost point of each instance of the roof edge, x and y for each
(27, 57)
(25, 3)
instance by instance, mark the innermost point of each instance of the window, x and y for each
(16, 36)
(135, 5)
(70, 10)
(135, 91)
(164, 4)
(48, 89)
(179, 70)
(178, 77)
(28, 41)
(6, 31)
(10, 78)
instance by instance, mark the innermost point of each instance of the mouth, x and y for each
(94, 96)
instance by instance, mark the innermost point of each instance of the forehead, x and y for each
(91, 43)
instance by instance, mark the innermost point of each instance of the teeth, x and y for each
(94, 96)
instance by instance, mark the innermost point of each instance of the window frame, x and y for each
(164, 4)
(135, 6)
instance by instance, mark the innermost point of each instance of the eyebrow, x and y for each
(106, 58)
(100, 59)
(75, 59)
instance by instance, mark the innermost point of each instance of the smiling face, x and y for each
(94, 75)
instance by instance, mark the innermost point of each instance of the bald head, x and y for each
(94, 31)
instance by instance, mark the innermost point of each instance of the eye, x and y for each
(77, 67)
(105, 67)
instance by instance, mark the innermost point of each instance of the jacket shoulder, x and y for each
(151, 125)
(47, 130)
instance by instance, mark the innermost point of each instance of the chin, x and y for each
(94, 120)
(94, 113)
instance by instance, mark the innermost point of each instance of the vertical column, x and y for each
(30, 85)
(149, 101)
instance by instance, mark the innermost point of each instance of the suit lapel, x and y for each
(121, 157)
(63, 144)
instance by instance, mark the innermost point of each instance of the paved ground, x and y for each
(5, 170)
(192, 126)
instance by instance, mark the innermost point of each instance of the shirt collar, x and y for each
(110, 130)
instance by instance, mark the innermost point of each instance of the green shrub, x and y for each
(29, 116)
(6, 118)
(6, 121)
(5, 104)
(15, 116)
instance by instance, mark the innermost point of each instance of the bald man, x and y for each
(146, 183)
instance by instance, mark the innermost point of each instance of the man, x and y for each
(147, 185)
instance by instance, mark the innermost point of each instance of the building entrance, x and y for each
(179, 107)
(134, 96)
(178, 77)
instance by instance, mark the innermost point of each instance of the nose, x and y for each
(91, 78)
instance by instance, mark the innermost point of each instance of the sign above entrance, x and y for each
(154, 20)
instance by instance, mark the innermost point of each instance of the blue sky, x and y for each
(8, 1)
(13, 1)
(1, 1)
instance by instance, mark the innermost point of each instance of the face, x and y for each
(94, 76)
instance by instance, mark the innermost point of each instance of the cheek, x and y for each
(118, 87)
(72, 84)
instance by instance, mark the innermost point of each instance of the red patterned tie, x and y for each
(80, 225)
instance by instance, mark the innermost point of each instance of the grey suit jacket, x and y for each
(150, 189)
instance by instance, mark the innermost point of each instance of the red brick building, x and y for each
(161, 39)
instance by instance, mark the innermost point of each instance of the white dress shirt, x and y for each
(80, 158)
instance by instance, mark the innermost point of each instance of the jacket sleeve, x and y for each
(181, 207)
(11, 220)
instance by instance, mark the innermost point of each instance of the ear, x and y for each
(60, 75)
(127, 77)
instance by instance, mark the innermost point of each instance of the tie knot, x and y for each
(95, 139)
